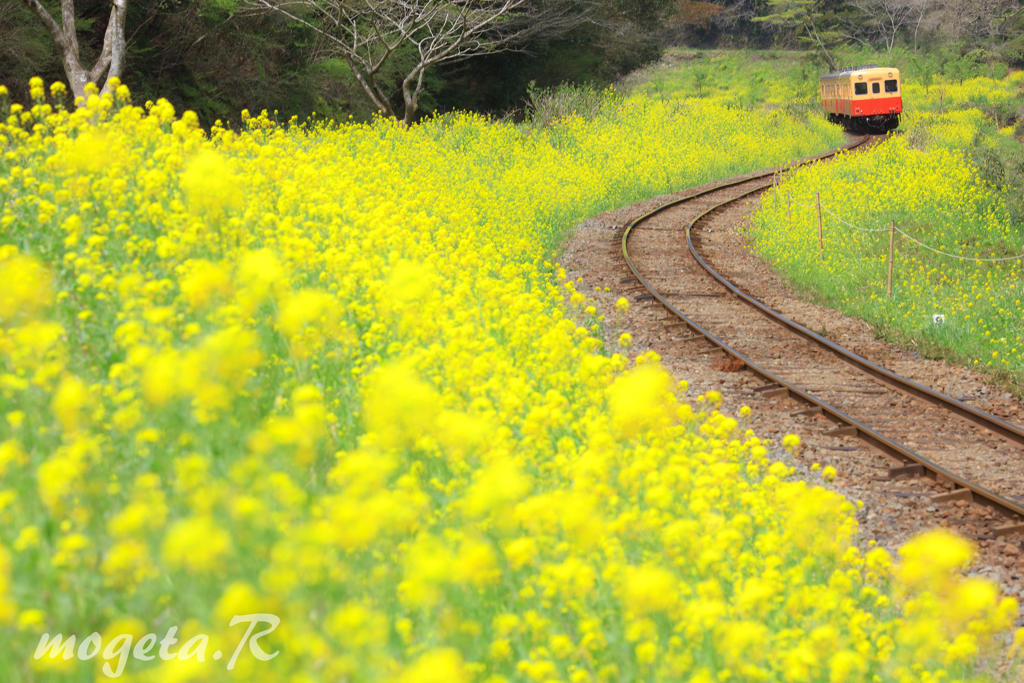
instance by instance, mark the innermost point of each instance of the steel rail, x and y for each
(846, 425)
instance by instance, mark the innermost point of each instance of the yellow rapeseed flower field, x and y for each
(324, 381)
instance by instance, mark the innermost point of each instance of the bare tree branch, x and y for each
(368, 34)
(887, 17)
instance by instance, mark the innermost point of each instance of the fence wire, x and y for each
(912, 239)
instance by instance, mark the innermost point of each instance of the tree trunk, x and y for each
(115, 38)
(411, 93)
(111, 59)
(411, 105)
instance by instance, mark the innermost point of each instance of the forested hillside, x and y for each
(218, 57)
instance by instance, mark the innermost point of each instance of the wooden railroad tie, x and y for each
(916, 470)
(815, 410)
(958, 494)
(1006, 530)
(845, 430)
(771, 390)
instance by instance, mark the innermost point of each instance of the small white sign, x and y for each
(939, 318)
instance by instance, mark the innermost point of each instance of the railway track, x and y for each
(925, 433)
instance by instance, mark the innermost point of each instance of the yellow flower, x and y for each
(27, 288)
(649, 589)
(128, 564)
(355, 625)
(259, 273)
(399, 407)
(442, 665)
(196, 544)
(210, 185)
(521, 552)
(92, 151)
(70, 402)
(410, 281)
(32, 620)
(203, 281)
(929, 558)
(641, 400)
(28, 537)
(11, 454)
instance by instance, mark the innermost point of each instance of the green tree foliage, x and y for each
(24, 49)
(957, 64)
(597, 52)
(702, 77)
(813, 21)
(923, 67)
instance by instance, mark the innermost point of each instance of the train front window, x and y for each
(876, 88)
(860, 88)
(890, 86)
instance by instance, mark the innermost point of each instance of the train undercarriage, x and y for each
(878, 123)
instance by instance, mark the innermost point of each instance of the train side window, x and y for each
(890, 86)
(876, 88)
(860, 88)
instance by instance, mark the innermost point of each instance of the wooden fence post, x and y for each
(892, 235)
(821, 244)
(775, 184)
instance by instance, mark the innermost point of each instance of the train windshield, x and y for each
(876, 88)
(860, 88)
(890, 86)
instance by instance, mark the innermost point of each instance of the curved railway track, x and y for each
(924, 432)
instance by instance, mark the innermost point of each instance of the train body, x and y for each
(863, 99)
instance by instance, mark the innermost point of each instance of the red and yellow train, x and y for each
(863, 99)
